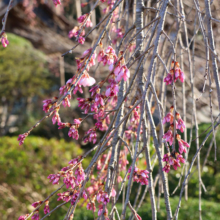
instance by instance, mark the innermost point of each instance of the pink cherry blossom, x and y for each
(138, 216)
(56, 2)
(74, 32)
(176, 164)
(23, 217)
(166, 168)
(82, 18)
(168, 79)
(74, 161)
(81, 40)
(124, 73)
(168, 118)
(54, 178)
(100, 55)
(80, 174)
(35, 216)
(65, 196)
(168, 137)
(84, 104)
(66, 101)
(73, 132)
(77, 88)
(180, 158)
(99, 99)
(180, 125)
(85, 195)
(182, 144)
(139, 176)
(46, 207)
(74, 198)
(36, 204)
(4, 41)
(166, 157)
(56, 117)
(89, 23)
(21, 138)
(112, 89)
(90, 136)
(47, 105)
(86, 80)
(102, 197)
(91, 206)
(100, 211)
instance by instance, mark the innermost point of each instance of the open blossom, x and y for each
(86, 80)
(4, 40)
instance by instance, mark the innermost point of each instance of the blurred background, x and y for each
(31, 70)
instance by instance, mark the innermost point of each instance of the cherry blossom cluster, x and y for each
(174, 159)
(110, 4)
(174, 74)
(57, 2)
(4, 40)
(139, 176)
(73, 176)
(78, 31)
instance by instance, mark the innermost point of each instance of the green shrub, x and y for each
(24, 171)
